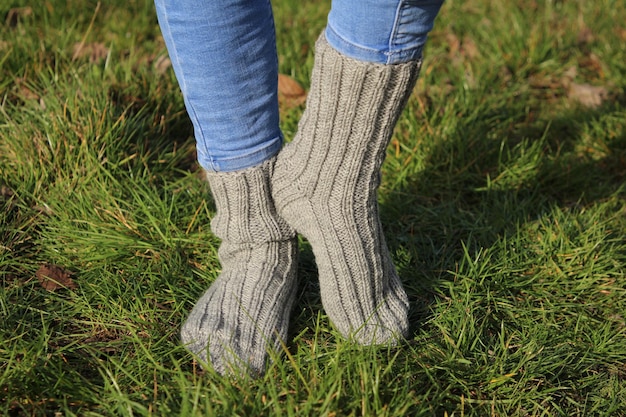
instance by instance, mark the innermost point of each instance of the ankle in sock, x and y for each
(325, 184)
(245, 312)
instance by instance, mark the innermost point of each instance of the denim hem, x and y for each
(365, 54)
(239, 162)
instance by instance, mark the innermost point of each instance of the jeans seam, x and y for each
(388, 54)
(394, 30)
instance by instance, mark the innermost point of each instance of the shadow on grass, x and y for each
(468, 203)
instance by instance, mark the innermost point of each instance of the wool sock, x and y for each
(325, 184)
(245, 312)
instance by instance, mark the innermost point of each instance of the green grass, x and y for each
(503, 201)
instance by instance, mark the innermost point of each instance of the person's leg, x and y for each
(224, 57)
(385, 32)
(325, 181)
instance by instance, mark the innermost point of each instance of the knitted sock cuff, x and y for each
(245, 209)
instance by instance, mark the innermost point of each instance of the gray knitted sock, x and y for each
(246, 310)
(325, 185)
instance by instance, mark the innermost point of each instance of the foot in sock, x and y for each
(245, 312)
(325, 185)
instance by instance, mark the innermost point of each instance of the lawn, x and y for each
(503, 201)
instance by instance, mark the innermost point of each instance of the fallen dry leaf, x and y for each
(15, 14)
(159, 63)
(162, 64)
(461, 50)
(585, 36)
(28, 94)
(593, 64)
(569, 75)
(290, 92)
(96, 51)
(24, 91)
(454, 44)
(52, 277)
(6, 192)
(546, 81)
(470, 50)
(587, 95)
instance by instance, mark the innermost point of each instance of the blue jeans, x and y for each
(224, 56)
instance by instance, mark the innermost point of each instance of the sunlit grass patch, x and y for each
(503, 203)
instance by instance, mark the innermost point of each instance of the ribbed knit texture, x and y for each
(325, 185)
(246, 310)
